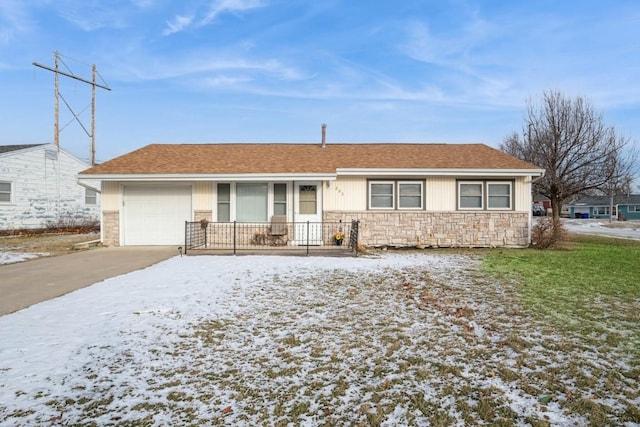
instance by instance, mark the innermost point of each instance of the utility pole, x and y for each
(56, 70)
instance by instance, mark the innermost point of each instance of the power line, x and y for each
(56, 70)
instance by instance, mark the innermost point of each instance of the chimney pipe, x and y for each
(324, 135)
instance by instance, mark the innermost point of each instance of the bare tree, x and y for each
(579, 153)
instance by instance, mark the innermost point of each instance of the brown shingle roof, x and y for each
(302, 158)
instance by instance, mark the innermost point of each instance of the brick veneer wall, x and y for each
(439, 229)
(111, 228)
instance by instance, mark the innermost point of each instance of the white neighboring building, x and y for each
(39, 188)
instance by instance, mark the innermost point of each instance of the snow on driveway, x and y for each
(13, 257)
(400, 339)
(619, 229)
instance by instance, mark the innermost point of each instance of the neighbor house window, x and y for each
(392, 194)
(491, 195)
(279, 199)
(5, 192)
(251, 201)
(470, 195)
(602, 210)
(634, 208)
(90, 197)
(499, 195)
(224, 202)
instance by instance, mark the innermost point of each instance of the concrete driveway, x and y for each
(27, 283)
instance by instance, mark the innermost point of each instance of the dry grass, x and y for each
(52, 244)
(437, 344)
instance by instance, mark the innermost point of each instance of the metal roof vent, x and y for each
(324, 135)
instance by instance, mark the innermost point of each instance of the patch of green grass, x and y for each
(590, 288)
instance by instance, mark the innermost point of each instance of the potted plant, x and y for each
(338, 237)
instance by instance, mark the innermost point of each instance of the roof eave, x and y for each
(211, 177)
(439, 172)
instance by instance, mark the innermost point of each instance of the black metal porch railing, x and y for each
(264, 236)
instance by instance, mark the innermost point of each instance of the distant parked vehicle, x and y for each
(538, 210)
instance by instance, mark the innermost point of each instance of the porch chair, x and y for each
(278, 230)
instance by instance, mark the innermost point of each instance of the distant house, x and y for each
(624, 207)
(39, 188)
(402, 194)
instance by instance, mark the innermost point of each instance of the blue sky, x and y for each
(273, 70)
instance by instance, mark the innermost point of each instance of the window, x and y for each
(389, 194)
(490, 195)
(308, 200)
(601, 210)
(279, 199)
(5, 192)
(251, 201)
(90, 197)
(634, 208)
(409, 195)
(470, 195)
(381, 195)
(224, 202)
(499, 195)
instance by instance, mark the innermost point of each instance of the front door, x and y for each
(308, 213)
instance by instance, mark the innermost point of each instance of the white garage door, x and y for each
(155, 215)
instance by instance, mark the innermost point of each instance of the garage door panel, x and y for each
(155, 215)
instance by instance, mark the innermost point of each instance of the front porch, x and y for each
(276, 237)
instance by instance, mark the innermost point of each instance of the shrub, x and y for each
(74, 220)
(547, 233)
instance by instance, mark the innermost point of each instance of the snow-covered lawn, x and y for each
(400, 339)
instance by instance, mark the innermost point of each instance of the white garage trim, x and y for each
(155, 214)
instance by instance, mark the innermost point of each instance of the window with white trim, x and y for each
(396, 195)
(409, 195)
(381, 195)
(250, 201)
(602, 210)
(634, 208)
(279, 199)
(470, 195)
(485, 195)
(5, 192)
(499, 195)
(90, 197)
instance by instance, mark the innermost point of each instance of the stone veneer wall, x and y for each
(204, 214)
(111, 228)
(439, 229)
